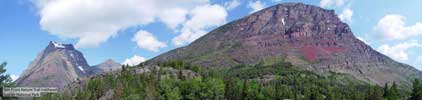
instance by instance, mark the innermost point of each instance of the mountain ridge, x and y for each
(305, 35)
(59, 64)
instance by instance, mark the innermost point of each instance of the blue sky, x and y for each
(130, 31)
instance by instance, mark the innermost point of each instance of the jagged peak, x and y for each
(292, 4)
(299, 7)
(58, 45)
(62, 61)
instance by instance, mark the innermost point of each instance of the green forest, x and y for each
(243, 82)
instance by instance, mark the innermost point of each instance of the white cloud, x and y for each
(328, 3)
(232, 4)
(199, 22)
(399, 51)
(135, 60)
(173, 17)
(418, 63)
(256, 6)
(14, 77)
(346, 15)
(93, 22)
(393, 27)
(146, 40)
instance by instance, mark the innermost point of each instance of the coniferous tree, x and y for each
(386, 91)
(374, 93)
(286, 92)
(394, 92)
(169, 90)
(332, 95)
(244, 90)
(417, 90)
(5, 79)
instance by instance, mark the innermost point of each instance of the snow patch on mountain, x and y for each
(82, 69)
(58, 45)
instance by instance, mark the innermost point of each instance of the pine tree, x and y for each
(252, 90)
(169, 90)
(5, 79)
(233, 88)
(286, 92)
(331, 95)
(196, 68)
(244, 90)
(394, 92)
(386, 91)
(374, 93)
(417, 90)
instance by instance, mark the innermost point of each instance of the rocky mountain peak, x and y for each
(305, 35)
(57, 45)
(109, 63)
(57, 65)
(106, 66)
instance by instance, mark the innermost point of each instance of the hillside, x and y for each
(307, 36)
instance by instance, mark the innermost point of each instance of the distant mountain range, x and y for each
(59, 64)
(307, 36)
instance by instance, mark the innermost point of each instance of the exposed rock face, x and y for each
(56, 66)
(107, 66)
(305, 35)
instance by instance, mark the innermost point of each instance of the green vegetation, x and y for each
(417, 90)
(5, 79)
(268, 80)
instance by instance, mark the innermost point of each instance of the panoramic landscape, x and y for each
(210, 50)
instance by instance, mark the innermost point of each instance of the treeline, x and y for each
(261, 81)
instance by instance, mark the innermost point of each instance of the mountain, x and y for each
(307, 36)
(106, 66)
(56, 66)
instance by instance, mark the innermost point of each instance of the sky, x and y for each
(132, 31)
